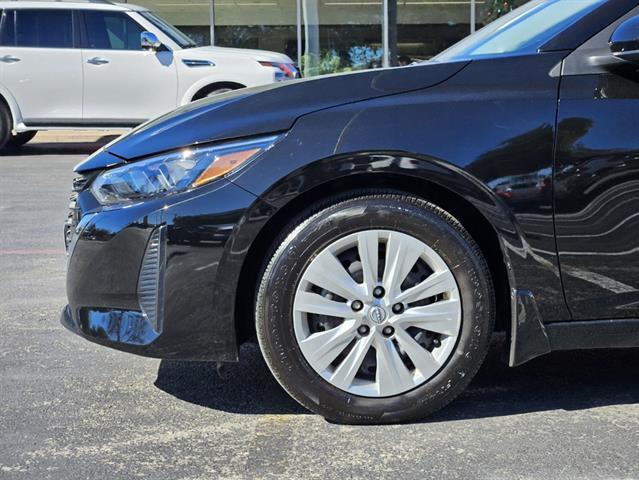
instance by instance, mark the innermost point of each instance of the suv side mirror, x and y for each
(624, 42)
(149, 41)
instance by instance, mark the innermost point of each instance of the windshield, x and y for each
(173, 33)
(523, 30)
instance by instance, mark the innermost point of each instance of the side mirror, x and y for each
(624, 42)
(149, 41)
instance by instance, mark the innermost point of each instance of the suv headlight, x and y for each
(176, 171)
(285, 70)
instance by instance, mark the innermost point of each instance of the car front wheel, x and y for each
(375, 309)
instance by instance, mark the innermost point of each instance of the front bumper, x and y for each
(146, 278)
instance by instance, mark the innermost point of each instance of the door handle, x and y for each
(9, 59)
(97, 61)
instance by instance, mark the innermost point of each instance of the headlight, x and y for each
(175, 171)
(285, 70)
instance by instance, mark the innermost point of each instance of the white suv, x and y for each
(69, 65)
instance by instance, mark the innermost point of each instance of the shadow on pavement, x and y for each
(245, 387)
(575, 380)
(560, 381)
(59, 148)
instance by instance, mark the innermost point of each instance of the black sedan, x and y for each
(372, 230)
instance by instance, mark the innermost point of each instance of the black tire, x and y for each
(20, 139)
(5, 126)
(300, 244)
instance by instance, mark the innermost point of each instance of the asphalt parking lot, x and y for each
(73, 410)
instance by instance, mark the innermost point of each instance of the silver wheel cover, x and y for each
(377, 346)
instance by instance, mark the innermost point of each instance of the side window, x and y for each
(43, 28)
(7, 30)
(111, 31)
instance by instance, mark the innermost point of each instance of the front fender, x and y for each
(479, 137)
(318, 153)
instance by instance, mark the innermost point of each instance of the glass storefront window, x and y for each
(425, 27)
(261, 24)
(190, 16)
(331, 36)
(341, 35)
(490, 10)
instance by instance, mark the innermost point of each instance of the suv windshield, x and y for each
(173, 33)
(523, 30)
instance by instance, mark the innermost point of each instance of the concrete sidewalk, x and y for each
(75, 136)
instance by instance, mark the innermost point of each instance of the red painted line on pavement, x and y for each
(32, 251)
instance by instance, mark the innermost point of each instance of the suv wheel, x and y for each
(376, 309)
(5, 126)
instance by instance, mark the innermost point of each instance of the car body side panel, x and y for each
(488, 138)
(107, 98)
(597, 199)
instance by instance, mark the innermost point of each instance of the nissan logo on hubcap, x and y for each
(377, 315)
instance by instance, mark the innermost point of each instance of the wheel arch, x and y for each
(201, 90)
(474, 218)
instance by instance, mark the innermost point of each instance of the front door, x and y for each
(597, 184)
(40, 66)
(124, 84)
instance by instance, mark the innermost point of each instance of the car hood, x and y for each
(261, 110)
(210, 52)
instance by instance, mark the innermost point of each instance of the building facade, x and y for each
(328, 36)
